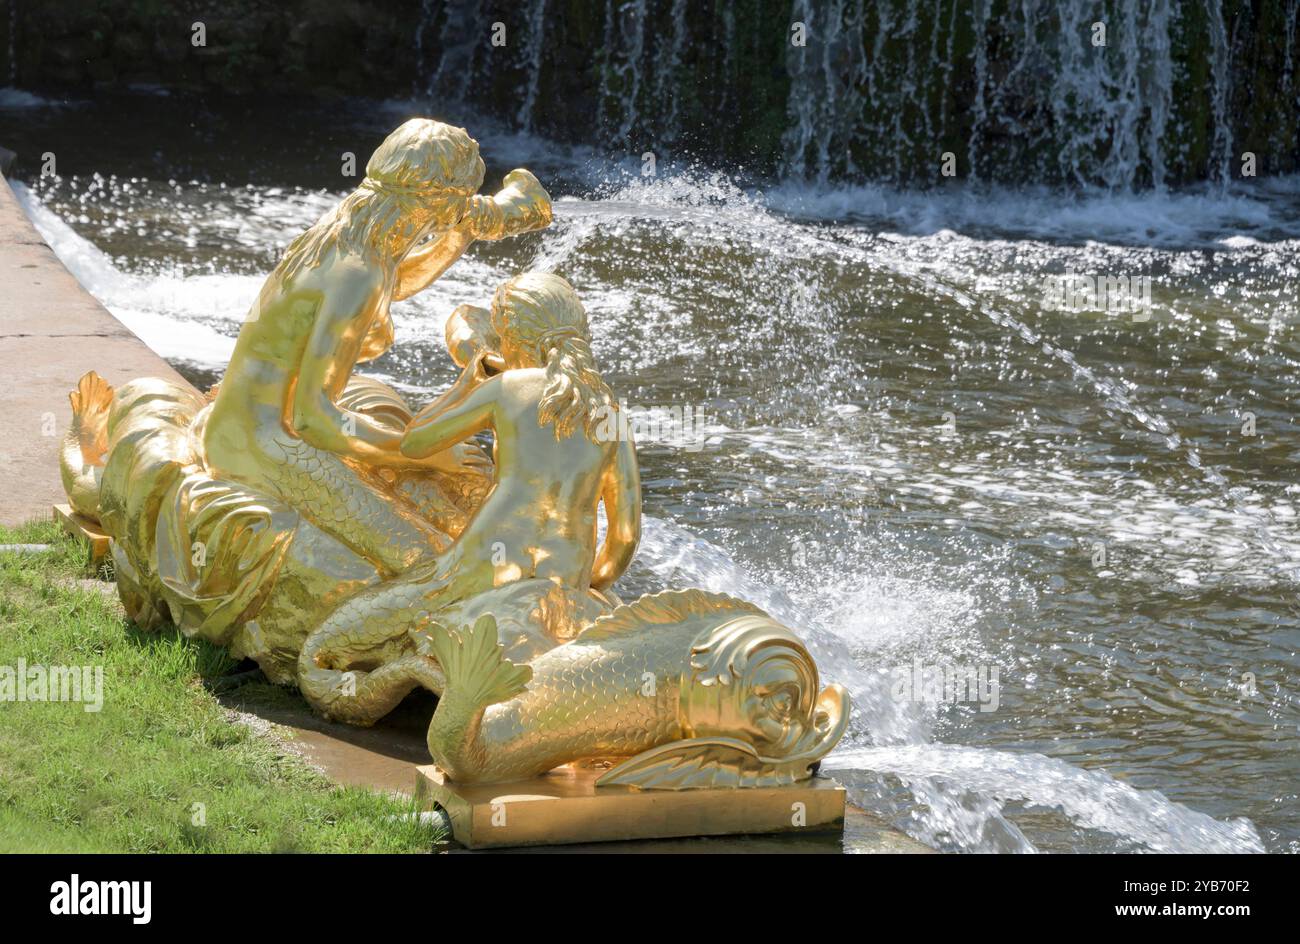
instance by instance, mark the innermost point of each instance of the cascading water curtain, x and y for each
(13, 43)
(1119, 94)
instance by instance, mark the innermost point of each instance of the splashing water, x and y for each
(958, 792)
(1092, 799)
(13, 43)
(536, 45)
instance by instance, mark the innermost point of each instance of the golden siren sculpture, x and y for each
(307, 518)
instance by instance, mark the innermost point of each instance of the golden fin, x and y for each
(375, 399)
(90, 403)
(702, 764)
(92, 392)
(475, 663)
(668, 606)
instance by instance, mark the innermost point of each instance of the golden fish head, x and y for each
(751, 678)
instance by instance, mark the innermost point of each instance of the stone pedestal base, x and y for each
(85, 530)
(565, 806)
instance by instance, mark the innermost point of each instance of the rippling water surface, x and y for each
(905, 454)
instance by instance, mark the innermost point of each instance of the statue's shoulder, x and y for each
(524, 383)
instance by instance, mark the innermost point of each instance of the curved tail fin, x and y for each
(478, 675)
(81, 461)
(475, 664)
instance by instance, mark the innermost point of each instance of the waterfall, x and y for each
(1289, 91)
(13, 43)
(1104, 113)
(1222, 66)
(422, 27)
(979, 26)
(1159, 87)
(1120, 94)
(535, 44)
(462, 41)
(802, 130)
(668, 60)
(827, 75)
(1097, 95)
(624, 46)
(729, 57)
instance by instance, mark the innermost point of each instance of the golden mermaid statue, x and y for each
(276, 425)
(306, 518)
(245, 519)
(529, 553)
(693, 689)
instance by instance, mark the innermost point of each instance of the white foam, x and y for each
(1091, 798)
(1199, 216)
(16, 98)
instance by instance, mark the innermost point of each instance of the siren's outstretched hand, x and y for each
(469, 407)
(521, 206)
(459, 459)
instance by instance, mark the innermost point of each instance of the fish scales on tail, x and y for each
(696, 689)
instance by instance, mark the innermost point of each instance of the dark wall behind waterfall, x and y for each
(1014, 90)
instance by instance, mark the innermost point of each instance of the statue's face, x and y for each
(438, 210)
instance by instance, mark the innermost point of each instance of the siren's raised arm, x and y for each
(326, 361)
(523, 205)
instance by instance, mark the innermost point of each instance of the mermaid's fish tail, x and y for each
(475, 665)
(477, 675)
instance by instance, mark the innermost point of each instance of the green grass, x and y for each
(127, 778)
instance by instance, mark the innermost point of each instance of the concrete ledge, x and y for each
(51, 332)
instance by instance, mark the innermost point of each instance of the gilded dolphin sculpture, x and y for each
(688, 689)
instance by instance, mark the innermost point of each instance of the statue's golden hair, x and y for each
(541, 311)
(421, 159)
